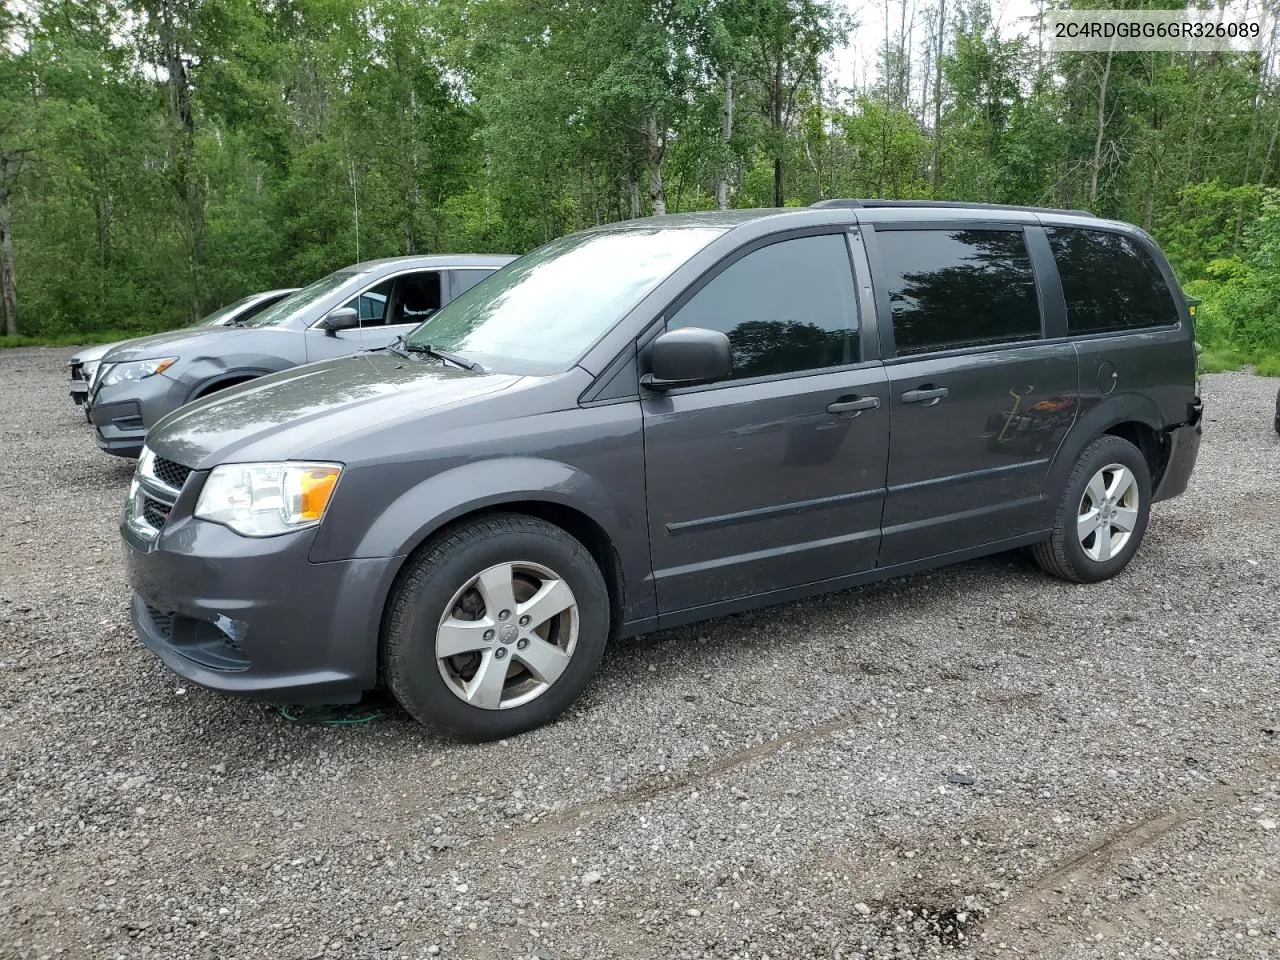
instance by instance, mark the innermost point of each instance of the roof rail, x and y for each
(945, 205)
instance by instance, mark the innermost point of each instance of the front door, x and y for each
(408, 300)
(774, 478)
(979, 401)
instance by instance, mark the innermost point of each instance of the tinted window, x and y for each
(417, 297)
(959, 288)
(785, 307)
(1110, 283)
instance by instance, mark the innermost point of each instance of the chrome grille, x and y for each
(169, 473)
(156, 486)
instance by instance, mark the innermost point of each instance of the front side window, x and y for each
(958, 288)
(418, 296)
(541, 313)
(1109, 282)
(787, 307)
(372, 304)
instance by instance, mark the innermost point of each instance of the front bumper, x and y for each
(1185, 442)
(122, 413)
(254, 616)
(79, 391)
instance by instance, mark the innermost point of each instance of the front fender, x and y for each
(208, 373)
(426, 507)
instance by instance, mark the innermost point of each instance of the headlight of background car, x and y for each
(266, 499)
(136, 370)
(88, 368)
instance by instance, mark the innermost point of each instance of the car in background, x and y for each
(85, 362)
(1278, 411)
(362, 307)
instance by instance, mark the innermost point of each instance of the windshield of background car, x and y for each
(295, 304)
(215, 318)
(540, 314)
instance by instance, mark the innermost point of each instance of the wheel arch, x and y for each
(555, 492)
(1132, 417)
(224, 379)
(581, 526)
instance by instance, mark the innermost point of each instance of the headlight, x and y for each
(266, 499)
(136, 370)
(88, 367)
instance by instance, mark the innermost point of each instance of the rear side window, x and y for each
(958, 288)
(786, 307)
(1109, 282)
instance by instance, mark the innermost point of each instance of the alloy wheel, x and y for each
(1108, 512)
(507, 635)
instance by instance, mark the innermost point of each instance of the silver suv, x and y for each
(361, 307)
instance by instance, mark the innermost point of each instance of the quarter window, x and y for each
(1109, 282)
(958, 288)
(786, 307)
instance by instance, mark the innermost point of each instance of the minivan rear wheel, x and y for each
(496, 628)
(1102, 515)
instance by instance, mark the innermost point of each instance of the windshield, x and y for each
(539, 314)
(294, 304)
(219, 315)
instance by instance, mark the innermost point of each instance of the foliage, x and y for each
(177, 154)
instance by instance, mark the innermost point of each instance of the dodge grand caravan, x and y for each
(657, 422)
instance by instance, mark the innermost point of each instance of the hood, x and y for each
(90, 354)
(178, 343)
(296, 413)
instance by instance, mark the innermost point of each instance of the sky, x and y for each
(857, 61)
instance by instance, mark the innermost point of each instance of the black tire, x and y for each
(431, 580)
(1062, 554)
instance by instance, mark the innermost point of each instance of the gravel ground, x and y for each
(979, 761)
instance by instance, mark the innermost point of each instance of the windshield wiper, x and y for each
(393, 347)
(463, 362)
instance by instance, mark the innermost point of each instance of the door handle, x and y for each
(926, 394)
(854, 405)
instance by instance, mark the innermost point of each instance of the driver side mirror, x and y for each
(343, 318)
(688, 357)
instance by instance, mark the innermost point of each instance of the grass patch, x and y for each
(1268, 366)
(1220, 359)
(74, 339)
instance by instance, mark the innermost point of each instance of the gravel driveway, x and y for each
(979, 761)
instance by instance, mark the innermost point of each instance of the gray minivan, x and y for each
(363, 306)
(657, 422)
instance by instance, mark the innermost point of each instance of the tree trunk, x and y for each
(1149, 208)
(937, 99)
(1102, 128)
(8, 279)
(776, 115)
(655, 145)
(186, 184)
(633, 186)
(722, 181)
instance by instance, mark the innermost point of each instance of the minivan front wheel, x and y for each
(1102, 514)
(496, 628)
